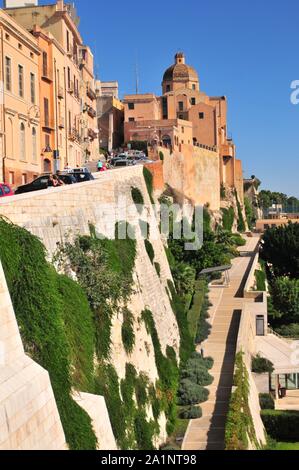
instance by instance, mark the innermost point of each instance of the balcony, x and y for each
(71, 87)
(61, 122)
(47, 74)
(60, 92)
(74, 135)
(48, 124)
(91, 112)
(92, 134)
(91, 93)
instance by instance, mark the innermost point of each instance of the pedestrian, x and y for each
(100, 165)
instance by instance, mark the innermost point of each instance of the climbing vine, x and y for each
(239, 429)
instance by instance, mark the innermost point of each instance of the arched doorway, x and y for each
(47, 166)
(166, 140)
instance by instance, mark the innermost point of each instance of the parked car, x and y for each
(80, 174)
(123, 162)
(5, 190)
(42, 182)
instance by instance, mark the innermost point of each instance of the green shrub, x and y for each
(167, 370)
(266, 401)
(241, 223)
(190, 393)
(141, 385)
(203, 327)
(260, 365)
(150, 250)
(144, 432)
(161, 156)
(80, 330)
(187, 346)
(250, 217)
(148, 177)
(138, 199)
(260, 277)
(127, 331)
(238, 240)
(289, 331)
(100, 265)
(38, 297)
(192, 412)
(228, 217)
(197, 373)
(158, 268)
(222, 192)
(282, 425)
(107, 384)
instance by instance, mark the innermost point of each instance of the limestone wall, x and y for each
(56, 213)
(246, 344)
(29, 417)
(194, 174)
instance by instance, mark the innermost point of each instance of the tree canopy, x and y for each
(281, 250)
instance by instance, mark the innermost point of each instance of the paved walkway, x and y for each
(207, 433)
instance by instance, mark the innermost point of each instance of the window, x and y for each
(181, 106)
(31, 55)
(45, 64)
(68, 41)
(193, 101)
(24, 178)
(20, 46)
(131, 106)
(8, 73)
(70, 122)
(22, 142)
(32, 88)
(131, 119)
(7, 37)
(183, 130)
(201, 115)
(47, 142)
(181, 116)
(11, 178)
(21, 81)
(46, 111)
(167, 88)
(34, 147)
(193, 86)
(165, 108)
(69, 78)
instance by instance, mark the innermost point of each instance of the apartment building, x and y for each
(69, 136)
(19, 106)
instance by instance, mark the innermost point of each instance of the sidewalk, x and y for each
(207, 433)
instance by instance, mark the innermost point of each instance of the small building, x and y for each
(110, 113)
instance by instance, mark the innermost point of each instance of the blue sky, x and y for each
(246, 50)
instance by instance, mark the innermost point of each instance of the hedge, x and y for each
(266, 401)
(282, 425)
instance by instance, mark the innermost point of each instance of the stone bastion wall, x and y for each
(59, 213)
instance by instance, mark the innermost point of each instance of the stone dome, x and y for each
(180, 71)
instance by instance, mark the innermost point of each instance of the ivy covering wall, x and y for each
(239, 429)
